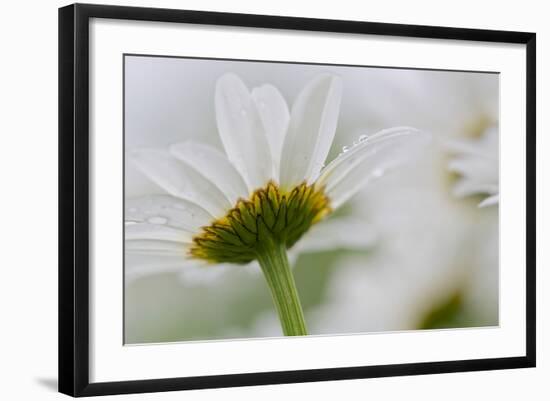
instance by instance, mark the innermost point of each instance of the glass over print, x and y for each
(266, 199)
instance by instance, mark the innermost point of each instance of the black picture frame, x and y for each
(74, 197)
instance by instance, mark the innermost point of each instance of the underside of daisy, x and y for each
(270, 215)
(255, 200)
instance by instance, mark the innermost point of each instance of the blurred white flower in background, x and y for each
(447, 103)
(460, 109)
(427, 256)
(431, 251)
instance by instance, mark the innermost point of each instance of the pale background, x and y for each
(28, 291)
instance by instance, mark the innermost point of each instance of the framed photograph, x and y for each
(251, 199)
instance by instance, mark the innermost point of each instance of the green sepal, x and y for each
(284, 217)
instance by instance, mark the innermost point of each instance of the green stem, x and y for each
(274, 262)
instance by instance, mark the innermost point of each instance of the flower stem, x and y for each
(274, 262)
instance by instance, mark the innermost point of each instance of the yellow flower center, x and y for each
(269, 215)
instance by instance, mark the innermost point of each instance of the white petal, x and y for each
(156, 247)
(491, 200)
(180, 180)
(199, 274)
(242, 132)
(178, 213)
(189, 271)
(253, 267)
(337, 233)
(311, 130)
(368, 160)
(479, 168)
(214, 166)
(143, 271)
(144, 265)
(466, 187)
(275, 116)
(145, 231)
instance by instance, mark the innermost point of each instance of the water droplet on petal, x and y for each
(378, 172)
(363, 138)
(157, 220)
(345, 149)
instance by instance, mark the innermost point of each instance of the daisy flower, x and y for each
(269, 187)
(476, 161)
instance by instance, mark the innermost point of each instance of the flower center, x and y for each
(270, 215)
